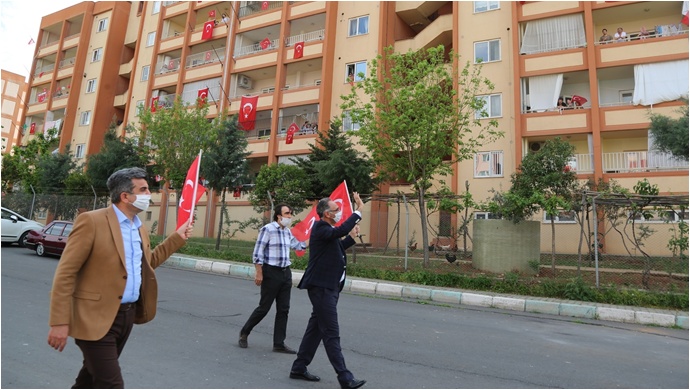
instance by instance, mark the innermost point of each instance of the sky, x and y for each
(19, 23)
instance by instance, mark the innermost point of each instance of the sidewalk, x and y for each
(587, 310)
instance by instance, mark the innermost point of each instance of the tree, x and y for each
(224, 164)
(671, 135)
(284, 182)
(334, 159)
(421, 117)
(20, 167)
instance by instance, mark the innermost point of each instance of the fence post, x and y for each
(596, 240)
(94, 198)
(31, 211)
(407, 228)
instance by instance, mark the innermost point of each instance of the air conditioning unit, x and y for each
(244, 82)
(535, 146)
(317, 82)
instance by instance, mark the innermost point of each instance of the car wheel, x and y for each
(40, 250)
(22, 240)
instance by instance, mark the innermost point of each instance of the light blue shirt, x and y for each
(133, 255)
(273, 245)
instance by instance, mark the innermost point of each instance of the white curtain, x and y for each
(660, 82)
(559, 33)
(544, 91)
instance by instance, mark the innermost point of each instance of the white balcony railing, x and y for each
(206, 57)
(67, 62)
(643, 161)
(172, 65)
(255, 48)
(582, 163)
(40, 71)
(306, 37)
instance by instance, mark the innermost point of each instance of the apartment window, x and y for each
(145, 71)
(140, 107)
(359, 26)
(148, 215)
(488, 164)
(156, 7)
(151, 39)
(492, 107)
(79, 153)
(662, 216)
(485, 215)
(626, 96)
(352, 71)
(102, 25)
(487, 51)
(91, 86)
(97, 55)
(483, 6)
(561, 217)
(348, 125)
(264, 133)
(85, 118)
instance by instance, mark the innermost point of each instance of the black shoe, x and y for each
(243, 341)
(353, 384)
(304, 375)
(284, 349)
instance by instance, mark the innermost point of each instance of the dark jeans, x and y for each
(323, 326)
(101, 369)
(276, 286)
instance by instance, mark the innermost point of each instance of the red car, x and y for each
(51, 239)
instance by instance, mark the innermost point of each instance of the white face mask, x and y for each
(142, 202)
(337, 216)
(285, 222)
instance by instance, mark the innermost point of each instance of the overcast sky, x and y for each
(19, 23)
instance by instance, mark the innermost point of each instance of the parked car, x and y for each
(50, 240)
(15, 228)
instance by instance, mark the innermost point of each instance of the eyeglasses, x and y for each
(335, 211)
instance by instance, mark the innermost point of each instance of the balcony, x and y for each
(42, 73)
(440, 31)
(255, 48)
(255, 7)
(582, 163)
(67, 62)
(642, 161)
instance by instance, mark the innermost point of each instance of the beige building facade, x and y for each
(13, 87)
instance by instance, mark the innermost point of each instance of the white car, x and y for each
(15, 227)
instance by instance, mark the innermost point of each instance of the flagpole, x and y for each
(196, 186)
(347, 191)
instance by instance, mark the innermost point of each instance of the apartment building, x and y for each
(13, 87)
(102, 62)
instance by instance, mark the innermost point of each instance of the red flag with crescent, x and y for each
(265, 43)
(154, 104)
(340, 196)
(41, 97)
(299, 50)
(187, 199)
(202, 96)
(248, 112)
(208, 30)
(291, 133)
(684, 12)
(32, 129)
(207, 56)
(302, 230)
(264, 5)
(212, 14)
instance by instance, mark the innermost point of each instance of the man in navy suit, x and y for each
(324, 278)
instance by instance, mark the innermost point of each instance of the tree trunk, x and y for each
(553, 247)
(425, 234)
(222, 213)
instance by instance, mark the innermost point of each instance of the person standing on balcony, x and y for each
(605, 37)
(620, 35)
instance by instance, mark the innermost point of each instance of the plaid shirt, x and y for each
(273, 246)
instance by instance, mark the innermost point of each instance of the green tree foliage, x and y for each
(21, 166)
(334, 159)
(285, 183)
(671, 135)
(420, 117)
(224, 165)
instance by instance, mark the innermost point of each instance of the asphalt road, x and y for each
(192, 343)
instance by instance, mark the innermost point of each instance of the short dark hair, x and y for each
(278, 210)
(322, 206)
(121, 181)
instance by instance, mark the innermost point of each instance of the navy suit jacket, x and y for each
(327, 256)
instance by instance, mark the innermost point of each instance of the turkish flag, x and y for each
(685, 10)
(248, 112)
(154, 104)
(42, 96)
(32, 129)
(202, 96)
(187, 200)
(237, 192)
(265, 43)
(302, 230)
(208, 30)
(264, 5)
(291, 133)
(207, 56)
(212, 14)
(299, 50)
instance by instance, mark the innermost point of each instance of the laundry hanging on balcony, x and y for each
(660, 82)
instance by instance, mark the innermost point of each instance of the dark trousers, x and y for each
(323, 326)
(276, 286)
(101, 369)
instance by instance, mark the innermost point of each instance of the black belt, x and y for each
(128, 306)
(275, 266)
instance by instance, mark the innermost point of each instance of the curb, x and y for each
(595, 311)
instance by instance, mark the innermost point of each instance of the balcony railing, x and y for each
(262, 130)
(306, 37)
(255, 7)
(207, 57)
(309, 119)
(172, 65)
(40, 71)
(61, 94)
(582, 163)
(67, 62)
(214, 95)
(255, 48)
(656, 32)
(643, 161)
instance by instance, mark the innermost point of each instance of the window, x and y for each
(148, 215)
(483, 6)
(352, 71)
(485, 215)
(140, 107)
(488, 164)
(42, 214)
(359, 26)
(91, 86)
(562, 217)
(79, 153)
(264, 133)
(151, 39)
(145, 71)
(156, 7)
(97, 54)
(348, 125)
(662, 216)
(68, 229)
(102, 25)
(487, 51)
(56, 229)
(492, 107)
(85, 118)
(626, 96)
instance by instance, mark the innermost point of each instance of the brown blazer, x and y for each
(90, 278)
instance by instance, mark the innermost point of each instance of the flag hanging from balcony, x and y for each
(32, 129)
(208, 30)
(264, 5)
(265, 43)
(248, 112)
(291, 133)
(685, 20)
(202, 96)
(299, 50)
(212, 14)
(207, 56)
(237, 192)
(42, 96)
(154, 104)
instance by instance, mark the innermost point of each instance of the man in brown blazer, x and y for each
(105, 281)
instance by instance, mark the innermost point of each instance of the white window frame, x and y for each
(348, 124)
(91, 86)
(151, 39)
(79, 151)
(85, 118)
(97, 54)
(623, 93)
(357, 21)
(493, 159)
(352, 67)
(657, 219)
(488, 51)
(145, 72)
(487, 106)
(139, 107)
(102, 25)
(485, 215)
(559, 218)
(486, 6)
(156, 7)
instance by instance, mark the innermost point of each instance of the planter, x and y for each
(501, 246)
